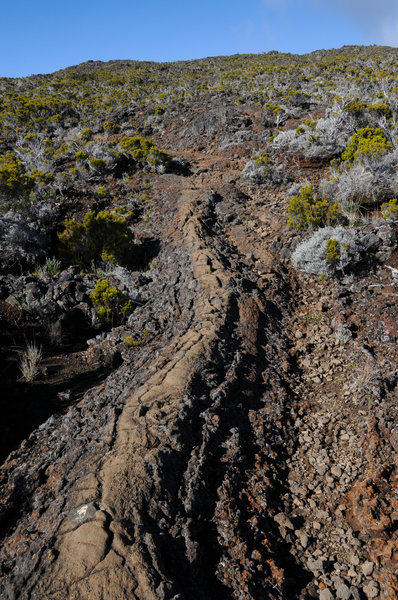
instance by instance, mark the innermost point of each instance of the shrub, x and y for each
(13, 179)
(320, 140)
(97, 164)
(260, 173)
(328, 251)
(23, 241)
(144, 150)
(274, 115)
(261, 170)
(86, 134)
(101, 191)
(110, 127)
(367, 181)
(113, 304)
(367, 141)
(262, 159)
(380, 110)
(305, 210)
(105, 236)
(63, 151)
(355, 108)
(131, 342)
(102, 156)
(389, 210)
(337, 251)
(41, 177)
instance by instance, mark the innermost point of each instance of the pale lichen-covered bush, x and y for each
(101, 152)
(31, 151)
(323, 140)
(22, 241)
(330, 136)
(366, 182)
(43, 212)
(259, 173)
(311, 255)
(335, 251)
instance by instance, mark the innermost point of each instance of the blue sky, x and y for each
(42, 36)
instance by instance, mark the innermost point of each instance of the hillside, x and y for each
(199, 269)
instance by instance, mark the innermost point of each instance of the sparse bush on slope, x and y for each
(23, 243)
(318, 256)
(367, 171)
(262, 170)
(367, 182)
(335, 251)
(323, 139)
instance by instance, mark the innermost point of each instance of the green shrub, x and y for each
(30, 136)
(101, 191)
(310, 124)
(367, 141)
(131, 342)
(112, 304)
(86, 134)
(13, 179)
(143, 150)
(389, 210)
(262, 159)
(305, 210)
(355, 108)
(379, 110)
(105, 236)
(98, 164)
(62, 151)
(41, 177)
(81, 155)
(110, 127)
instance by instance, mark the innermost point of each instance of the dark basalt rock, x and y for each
(73, 326)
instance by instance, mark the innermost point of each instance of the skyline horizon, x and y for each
(182, 60)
